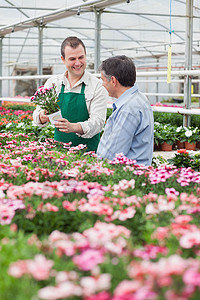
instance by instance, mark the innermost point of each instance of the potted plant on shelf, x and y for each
(180, 137)
(47, 99)
(192, 136)
(167, 137)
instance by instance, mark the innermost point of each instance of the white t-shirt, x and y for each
(96, 98)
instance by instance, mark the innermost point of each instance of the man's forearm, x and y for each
(77, 128)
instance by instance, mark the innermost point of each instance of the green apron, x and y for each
(73, 108)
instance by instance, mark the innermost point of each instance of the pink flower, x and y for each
(92, 285)
(127, 213)
(183, 219)
(40, 267)
(63, 290)
(161, 233)
(70, 206)
(63, 276)
(104, 233)
(192, 276)
(71, 173)
(18, 268)
(101, 296)
(150, 252)
(151, 209)
(127, 287)
(6, 214)
(170, 191)
(124, 185)
(171, 194)
(66, 247)
(88, 259)
(164, 281)
(190, 239)
(13, 227)
(51, 207)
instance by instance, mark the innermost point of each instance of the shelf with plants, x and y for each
(177, 137)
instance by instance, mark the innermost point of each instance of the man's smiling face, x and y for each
(75, 61)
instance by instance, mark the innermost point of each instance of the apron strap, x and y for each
(83, 88)
(62, 88)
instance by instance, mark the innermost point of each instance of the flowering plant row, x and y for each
(21, 121)
(76, 227)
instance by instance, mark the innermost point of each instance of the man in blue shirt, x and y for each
(130, 128)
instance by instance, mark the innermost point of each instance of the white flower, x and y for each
(34, 124)
(188, 133)
(178, 129)
(8, 125)
(21, 124)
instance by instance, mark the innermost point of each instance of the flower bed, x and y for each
(75, 227)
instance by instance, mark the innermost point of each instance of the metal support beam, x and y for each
(57, 14)
(40, 53)
(1, 63)
(97, 50)
(188, 60)
(157, 83)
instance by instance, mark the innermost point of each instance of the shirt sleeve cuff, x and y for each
(86, 129)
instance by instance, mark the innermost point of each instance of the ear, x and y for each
(62, 58)
(114, 80)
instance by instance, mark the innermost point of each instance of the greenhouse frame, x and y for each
(99, 164)
(146, 31)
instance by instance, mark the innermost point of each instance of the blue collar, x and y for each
(118, 103)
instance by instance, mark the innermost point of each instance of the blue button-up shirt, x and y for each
(130, 129)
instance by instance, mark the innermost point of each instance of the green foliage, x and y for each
(24, 107)
(14, 246)
(43, 224)
(164, 133)
(192, 135)
(157, 161)
(184, 159)
(25, 158)
(109, 112)
(175, 119)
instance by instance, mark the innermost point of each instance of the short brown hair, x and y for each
(121, 67)
(73, 42)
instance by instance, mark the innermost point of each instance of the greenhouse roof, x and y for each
(140, 29)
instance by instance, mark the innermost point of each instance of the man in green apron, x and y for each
(82, 99)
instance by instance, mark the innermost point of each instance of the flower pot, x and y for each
(189, 146)
(55, 116)
(174, 147)
(180, 145)
(157, 147)
(198, 145)
(166, 147)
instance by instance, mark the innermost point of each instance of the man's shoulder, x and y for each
(139, 97)
(55, 80)
(135, 102)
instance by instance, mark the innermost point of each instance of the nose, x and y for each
(77, 62)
